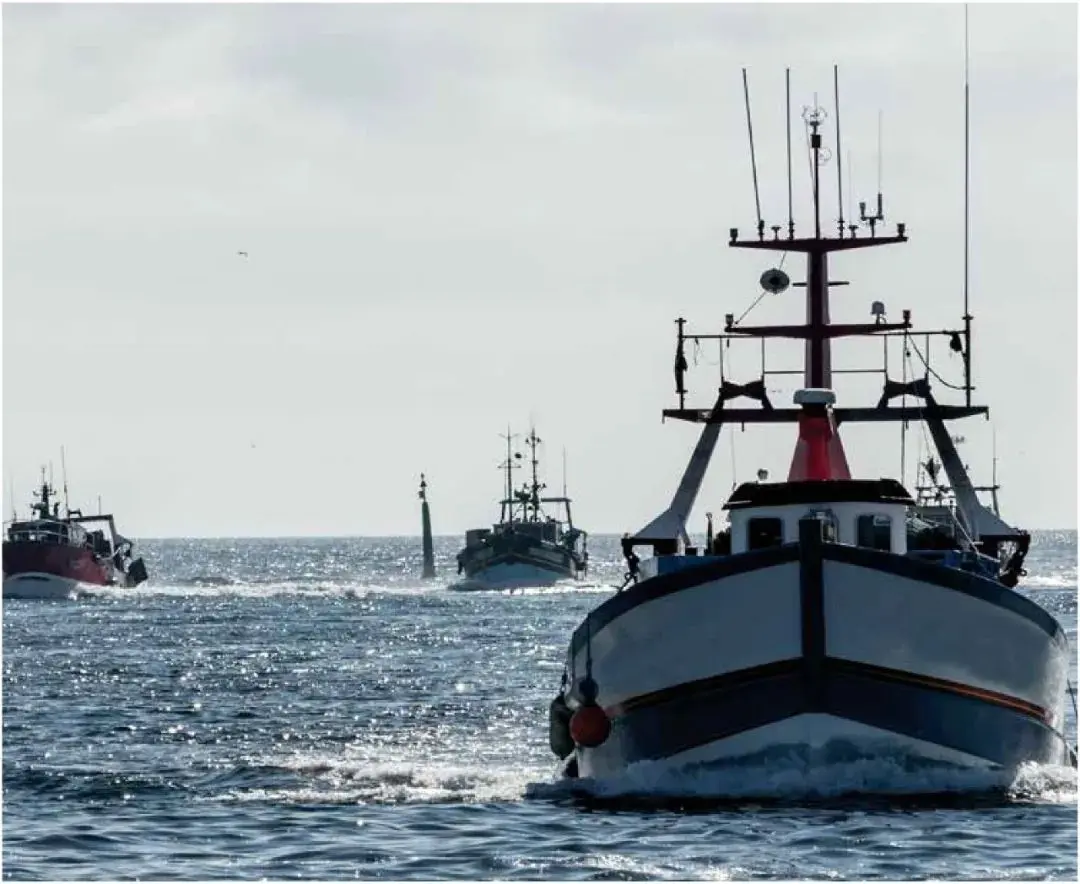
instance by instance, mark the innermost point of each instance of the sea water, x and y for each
(311, 708)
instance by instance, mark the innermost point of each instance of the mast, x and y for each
(533, 440)
(507, 509)
(819, 454)
(818, 331)
(42, 506)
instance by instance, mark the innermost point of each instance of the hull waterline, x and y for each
(43, 587)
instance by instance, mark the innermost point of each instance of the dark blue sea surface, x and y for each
(311, 709)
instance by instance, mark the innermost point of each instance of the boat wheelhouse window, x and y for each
(764, 532)
(874, 531)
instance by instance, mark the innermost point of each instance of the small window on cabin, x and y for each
(874, 532)
(765, 532)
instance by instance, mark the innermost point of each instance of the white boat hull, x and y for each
(42, 587)
(818, 647)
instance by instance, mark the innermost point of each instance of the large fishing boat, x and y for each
(528, 546)
(52, 556)
(835, 616)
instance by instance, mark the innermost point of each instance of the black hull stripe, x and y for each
(923, 710)
(812, 611)
(831, 668)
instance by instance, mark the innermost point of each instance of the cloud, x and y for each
(460, 215)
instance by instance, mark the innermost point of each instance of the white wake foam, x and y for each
(795, 781)
(327, 780)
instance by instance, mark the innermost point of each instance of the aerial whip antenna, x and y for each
(967, 210)
(839, 167)
(753, 158)
(63, 475)
(790, 209)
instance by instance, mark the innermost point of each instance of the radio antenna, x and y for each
(63, 475)
(967, 211)
(753, 157)
(839, 167)
(790, 209)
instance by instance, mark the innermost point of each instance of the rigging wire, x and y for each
(931, 371)
(757, 300)
(699, 355)
(925, 441)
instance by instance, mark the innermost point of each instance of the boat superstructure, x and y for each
(49, 555)
(528, 546)
(835, 614)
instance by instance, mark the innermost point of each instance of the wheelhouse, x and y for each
(47, 531)
(856, 512)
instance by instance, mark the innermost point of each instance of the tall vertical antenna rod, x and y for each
(508, 505)
(967, 211)
(790, 209)
(63, 475)
(839, 166)
(564, 471)
(815, 150)
(753, 157)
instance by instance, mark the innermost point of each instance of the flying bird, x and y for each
(242, 254)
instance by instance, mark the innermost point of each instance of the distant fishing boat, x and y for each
(836, 616)
(49, 555)
(528, 546)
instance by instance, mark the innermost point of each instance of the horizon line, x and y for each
(406, 536)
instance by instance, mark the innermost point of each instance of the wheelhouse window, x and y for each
(874, 531)
(762, 533)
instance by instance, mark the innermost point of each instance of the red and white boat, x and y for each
(51, 556)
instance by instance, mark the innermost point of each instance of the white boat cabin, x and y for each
(857, 512)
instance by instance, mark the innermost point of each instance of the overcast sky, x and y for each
(462, 217)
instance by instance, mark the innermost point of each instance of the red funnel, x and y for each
(819, 453)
